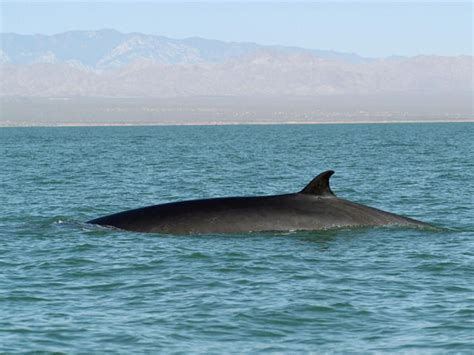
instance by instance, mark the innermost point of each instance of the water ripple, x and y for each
(66, 286)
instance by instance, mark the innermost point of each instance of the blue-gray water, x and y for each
(66, 286)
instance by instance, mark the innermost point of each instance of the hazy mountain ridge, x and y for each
(263, 74)
(107, 49)
(109, 63)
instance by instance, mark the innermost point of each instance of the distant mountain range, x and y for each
(107, 49)
(113, 64)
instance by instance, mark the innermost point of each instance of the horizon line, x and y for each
(256, 123)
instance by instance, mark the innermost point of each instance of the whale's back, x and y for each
(289, 212)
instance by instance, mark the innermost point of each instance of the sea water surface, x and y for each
(69, 287)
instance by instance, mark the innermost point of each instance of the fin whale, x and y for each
(315, 207)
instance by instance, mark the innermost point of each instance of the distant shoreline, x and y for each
(216, 111)
(218, 123)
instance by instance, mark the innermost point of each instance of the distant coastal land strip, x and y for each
(330, 109)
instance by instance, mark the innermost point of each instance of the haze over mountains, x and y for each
(110, 64)
(107, 49)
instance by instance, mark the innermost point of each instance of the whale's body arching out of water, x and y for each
(313, 208)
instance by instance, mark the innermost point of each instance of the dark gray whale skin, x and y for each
(313, 208)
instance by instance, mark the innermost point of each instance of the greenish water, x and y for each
(66, 286)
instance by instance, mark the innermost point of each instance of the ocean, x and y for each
(69, 287)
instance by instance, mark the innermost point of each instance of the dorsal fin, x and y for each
(319, 186)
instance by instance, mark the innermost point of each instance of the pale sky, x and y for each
(373, 29)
